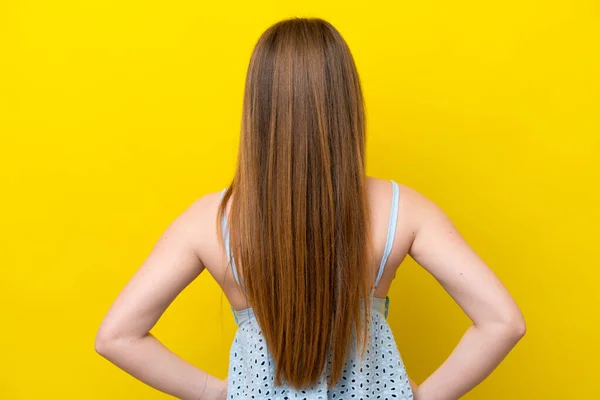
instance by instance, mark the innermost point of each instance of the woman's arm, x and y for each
(124, 338)
(497, 321)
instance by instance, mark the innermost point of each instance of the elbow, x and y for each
(519, 328)
(106, 342)
(102, 344)
(110, 342)
(509, 330)
(515, 328)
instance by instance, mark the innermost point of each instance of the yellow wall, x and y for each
(116, 115)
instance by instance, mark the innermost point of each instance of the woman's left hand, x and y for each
(223, 391)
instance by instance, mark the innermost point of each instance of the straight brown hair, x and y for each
(299, 222)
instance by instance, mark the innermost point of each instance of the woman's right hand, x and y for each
(413, 387)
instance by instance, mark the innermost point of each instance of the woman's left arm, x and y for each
(124, 336)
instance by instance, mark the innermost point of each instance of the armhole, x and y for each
(225, 229)
(389, 242)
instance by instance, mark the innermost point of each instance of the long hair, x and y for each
(298, 221)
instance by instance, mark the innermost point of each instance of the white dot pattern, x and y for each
(380, 375)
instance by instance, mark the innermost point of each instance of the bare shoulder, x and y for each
(414, 207)
(196, 223)
(201, 209)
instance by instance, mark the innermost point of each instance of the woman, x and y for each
(305, 247)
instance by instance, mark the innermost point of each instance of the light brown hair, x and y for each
(298, 221)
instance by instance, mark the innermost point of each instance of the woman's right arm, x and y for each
(497, 321)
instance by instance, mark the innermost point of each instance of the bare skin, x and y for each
(190, 245)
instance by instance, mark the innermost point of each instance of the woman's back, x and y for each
(380, 195)
(380, 373)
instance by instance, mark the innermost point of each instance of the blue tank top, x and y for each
(379, 375)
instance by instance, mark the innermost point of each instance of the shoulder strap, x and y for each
(225, 229)
(391, 230)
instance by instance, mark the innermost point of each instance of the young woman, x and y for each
(305, 247)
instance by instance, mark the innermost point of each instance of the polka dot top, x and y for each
(380, 375)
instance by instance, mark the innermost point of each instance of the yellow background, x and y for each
(116, 115)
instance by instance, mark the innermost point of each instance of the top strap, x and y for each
(225, 229)
(391, 230)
